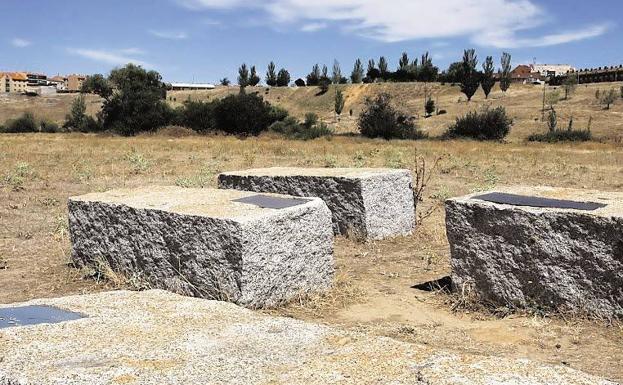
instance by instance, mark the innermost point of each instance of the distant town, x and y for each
(33, 83)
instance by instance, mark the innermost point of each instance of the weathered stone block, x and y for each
(201, 242)
(372, 203)
(540, 256)
(155, 337)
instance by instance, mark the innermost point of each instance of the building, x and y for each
(552, 70)
(36, 79)
(74, 82)
(522, 74)
(190, 86)
(13, 82)
(59, 82)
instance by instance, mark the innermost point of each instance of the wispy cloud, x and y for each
(400, 20)
(171, 35)
(20, 43)
(132, 51)
(510, 40)
(313, 27)
(108, 57)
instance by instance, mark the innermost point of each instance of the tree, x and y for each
(340, 101)
(487, 82)
(569, 84)
(225, 82)
(243, 76)
(325, 72)
(454, 73)
(357, 75)
(283, 78)
(383, 68)
(138, 104)
(337, 73)
(313, 78)
(427, 72)
(403, 62)
(254, 79)
(470, 76)
(373, 73)
(271, 75)
(505, 75)
(608, 97)
(97, 84)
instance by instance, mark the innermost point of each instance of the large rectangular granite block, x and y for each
(203, 242)
(159, 338)
(555, 258)
(372, 203)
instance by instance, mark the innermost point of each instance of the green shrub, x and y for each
(49, 127)
(487, 124)
(429, 107)
(554, 135)
(197, 115)
(286, 127)
(278, 113)
(562, 136)
(380, 120)
(311, 128)
(25, 123)
(243, 114)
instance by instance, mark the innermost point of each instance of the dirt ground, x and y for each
(374, 290)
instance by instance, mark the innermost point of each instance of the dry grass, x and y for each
(38, 172)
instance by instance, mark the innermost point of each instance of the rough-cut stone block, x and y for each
(155, 337)
(540, 256)
(372, 203)
(202, 242)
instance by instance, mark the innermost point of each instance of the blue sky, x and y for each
(205, 40)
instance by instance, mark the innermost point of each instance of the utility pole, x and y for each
(543, 108)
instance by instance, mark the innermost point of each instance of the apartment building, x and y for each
(13, 82)
(74, 82)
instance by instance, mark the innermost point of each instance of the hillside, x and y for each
(523, 103)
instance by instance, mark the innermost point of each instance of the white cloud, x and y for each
(171, 35)
(497, 23)
(20, 43)
(502, 40)
(313, 27)
(132, 51)
(108, 57)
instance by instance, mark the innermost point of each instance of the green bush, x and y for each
(312, 128)
(487, 124)
(196, 115)
(278, 113)
(562, 136)
(25, 123)
(380, 120)
(49, 127)
(243, 114)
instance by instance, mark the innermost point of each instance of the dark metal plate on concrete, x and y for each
(529, 201)
(270, 202)
(34, 315)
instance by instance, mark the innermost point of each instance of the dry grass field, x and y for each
(374, 291)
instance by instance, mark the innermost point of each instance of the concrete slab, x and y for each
(156, 337)
(372, 203)
(206, 243)
(548, 257)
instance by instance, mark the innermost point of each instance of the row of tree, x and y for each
(420, 69)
